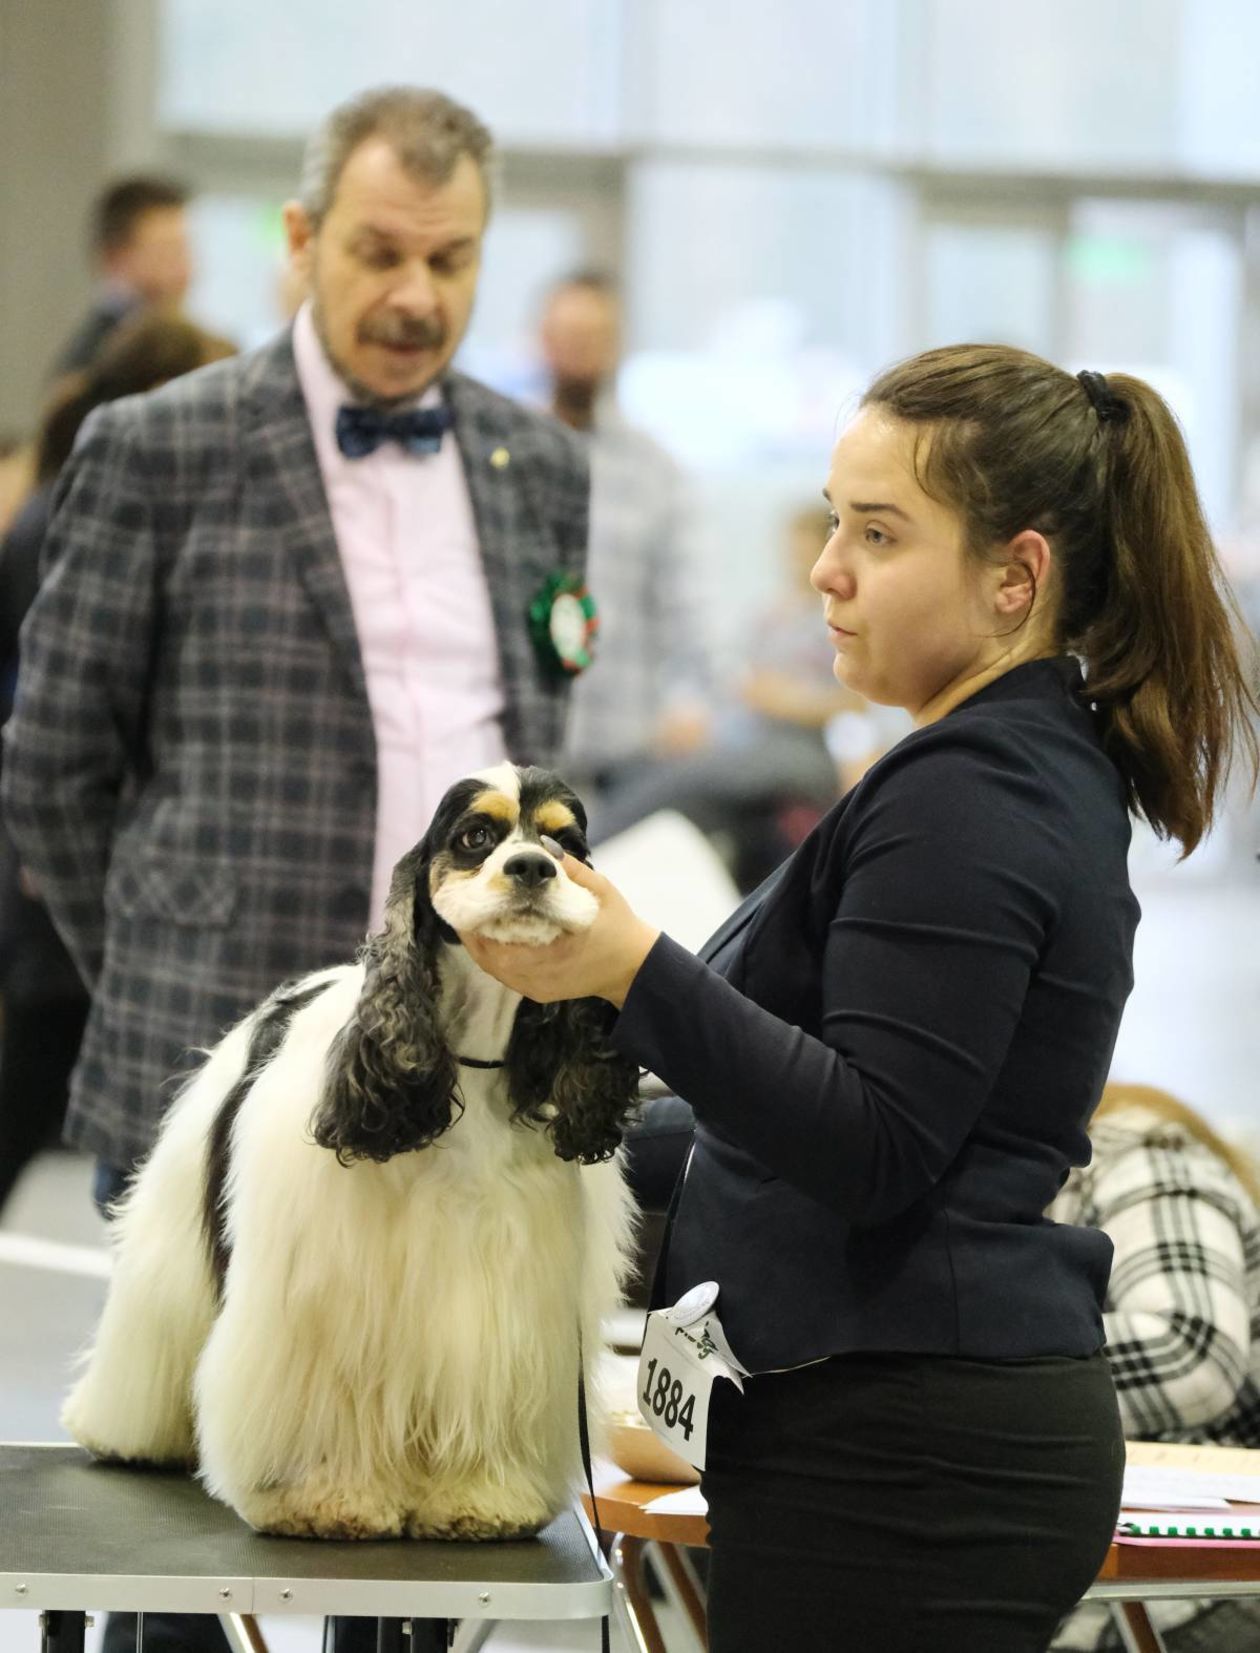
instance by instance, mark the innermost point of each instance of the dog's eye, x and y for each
(474, 837)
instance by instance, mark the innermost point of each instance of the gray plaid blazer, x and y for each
(190, 767)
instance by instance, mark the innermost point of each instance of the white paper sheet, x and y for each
(686, 1501)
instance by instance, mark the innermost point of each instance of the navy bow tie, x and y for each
(361, 430)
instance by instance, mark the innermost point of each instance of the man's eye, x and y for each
(474, 837)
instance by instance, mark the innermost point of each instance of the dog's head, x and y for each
(488, 870)
(393, 1081)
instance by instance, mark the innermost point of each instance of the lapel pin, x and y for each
(500, 458)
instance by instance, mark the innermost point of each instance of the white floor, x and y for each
(1193, 1025)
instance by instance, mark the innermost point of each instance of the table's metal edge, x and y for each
(118, 1593)
(373, 1598)
(1170, 1589)
(592, 1542)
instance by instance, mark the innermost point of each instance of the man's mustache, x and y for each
(405, 333)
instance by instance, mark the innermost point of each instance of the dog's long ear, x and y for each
(390, 1083)
(560, 1054)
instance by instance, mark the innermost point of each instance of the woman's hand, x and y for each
(599, 963)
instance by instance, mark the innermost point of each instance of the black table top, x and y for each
(76, 1534)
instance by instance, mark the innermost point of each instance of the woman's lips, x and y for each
(838, 633)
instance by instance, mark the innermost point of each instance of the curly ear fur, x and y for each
(563, 1073)
(391, 1079)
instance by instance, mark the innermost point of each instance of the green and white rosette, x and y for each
(563, 622)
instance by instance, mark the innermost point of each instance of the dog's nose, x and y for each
(530, 870)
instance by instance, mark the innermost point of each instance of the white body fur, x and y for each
(396, 1349)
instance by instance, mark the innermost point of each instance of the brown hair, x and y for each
(428, 131)
(138, 356)
(1013, 443)
(122, 204)
(1116, 1097)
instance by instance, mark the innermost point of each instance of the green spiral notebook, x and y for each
(1243, 1523)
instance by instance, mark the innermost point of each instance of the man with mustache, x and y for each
(288, 601)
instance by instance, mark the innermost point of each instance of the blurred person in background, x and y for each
(286, 603)
(766, 774)
(17, 475)
(142, 256)
(45, 1003)
(1181, 1207)
(646, 694)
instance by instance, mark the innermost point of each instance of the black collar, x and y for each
(475, 1062)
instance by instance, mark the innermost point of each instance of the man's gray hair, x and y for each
(428, 131)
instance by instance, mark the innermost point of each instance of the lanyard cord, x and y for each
(584, 1442)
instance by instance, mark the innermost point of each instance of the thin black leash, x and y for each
(584, 1442)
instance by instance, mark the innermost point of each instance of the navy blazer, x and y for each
(893, 1049)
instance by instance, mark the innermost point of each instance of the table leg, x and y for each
(426, 1636)
(241, 1632)
(631, 1602)
(62, 1632)
(686, 1587)
(1137, 1632)
(472, 1635)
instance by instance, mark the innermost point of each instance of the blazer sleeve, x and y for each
(924, 971)
(78, 726)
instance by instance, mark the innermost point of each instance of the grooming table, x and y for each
(78, 1537)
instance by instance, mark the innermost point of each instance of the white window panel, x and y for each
(1074, 84)
(1219, 129)
(794, 74)
(546, 72)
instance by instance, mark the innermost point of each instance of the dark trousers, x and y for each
(37, 1052)
(904, 1502)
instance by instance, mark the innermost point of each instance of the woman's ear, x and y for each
(564, 1072)
(390, 1084)
(1023, 570)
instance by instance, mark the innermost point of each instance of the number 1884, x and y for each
(664, 1394)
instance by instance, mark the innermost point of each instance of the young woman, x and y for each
(893, 1049)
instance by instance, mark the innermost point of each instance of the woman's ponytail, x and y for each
(1165, 647)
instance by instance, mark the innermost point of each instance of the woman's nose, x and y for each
(830, 574)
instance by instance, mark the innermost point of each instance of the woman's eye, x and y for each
(833, 526)
(474, 837)
(877, 536)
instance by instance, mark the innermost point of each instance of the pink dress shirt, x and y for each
(408, 542)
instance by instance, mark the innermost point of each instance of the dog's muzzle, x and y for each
(529, 872)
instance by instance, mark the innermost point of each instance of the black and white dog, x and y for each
(352, 1279)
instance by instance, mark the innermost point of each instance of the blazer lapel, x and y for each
(283, 469)
(509, 534)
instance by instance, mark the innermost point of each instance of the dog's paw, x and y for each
(115, 1448)
(472, 1527)
(493, 1513)
(315, 1511)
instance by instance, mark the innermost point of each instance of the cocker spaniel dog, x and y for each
(373, 1243)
